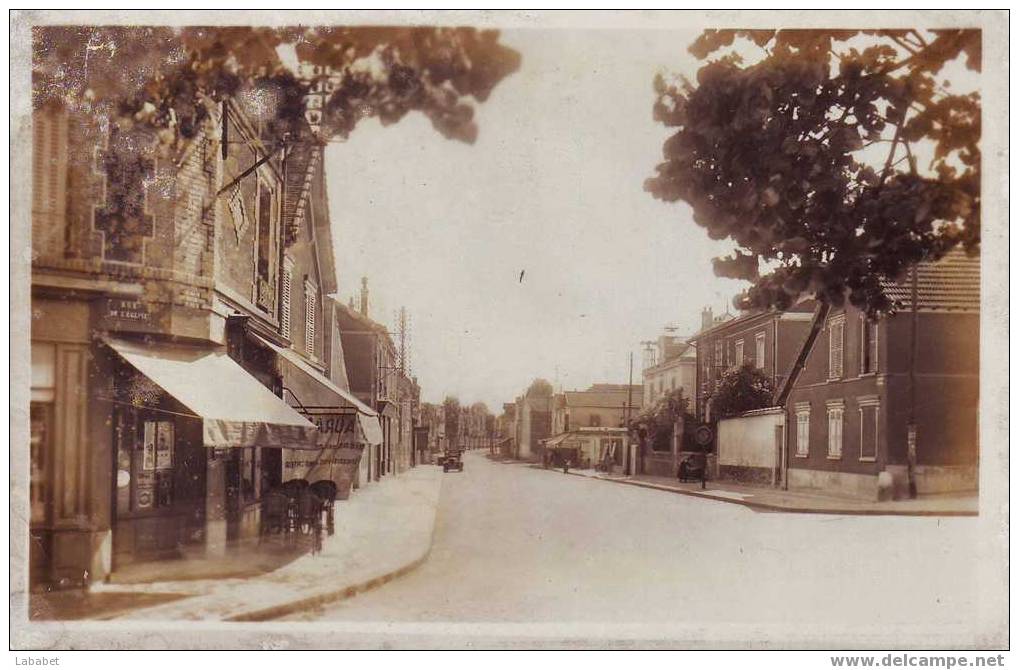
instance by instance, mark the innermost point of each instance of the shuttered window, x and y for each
(759, 352)
(310, 313)
(802, 432)
(49, 181)
(287, 283)
(835, 415)
(836, 337)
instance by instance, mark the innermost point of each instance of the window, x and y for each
(287, 284)
(739, 352)
(718, 354)
(759, 350)
(595, 420)
(266, 250)
(868, 346)
(835, 415)
(41, 430)
(868, 427)
(310, 305)
(49, 181)
(803, 429)
(836, 335)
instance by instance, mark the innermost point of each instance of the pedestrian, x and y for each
(566, 465)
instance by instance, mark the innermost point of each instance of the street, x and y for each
(519, 544)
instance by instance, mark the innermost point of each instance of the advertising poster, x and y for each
(164, 445)
(149, 446)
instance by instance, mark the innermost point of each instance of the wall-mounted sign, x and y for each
(134, 315)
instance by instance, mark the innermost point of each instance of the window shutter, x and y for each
(287, 283)
(835, 337)
(310, 301)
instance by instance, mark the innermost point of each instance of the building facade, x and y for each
(769, 339)
(849, 409)
(157, 406)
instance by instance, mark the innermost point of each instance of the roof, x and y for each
(951, 283)
(611, 399)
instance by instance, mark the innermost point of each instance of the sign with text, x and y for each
(342, 443)
(135, 315)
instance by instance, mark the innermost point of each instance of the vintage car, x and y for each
(452, 461)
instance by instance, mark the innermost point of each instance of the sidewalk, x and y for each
(777, 500)
(383, 531)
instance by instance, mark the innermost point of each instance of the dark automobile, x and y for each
(452, 461)
(691, 468)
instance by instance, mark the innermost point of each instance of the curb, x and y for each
(770, 507)
(319, 599)
(336, 595)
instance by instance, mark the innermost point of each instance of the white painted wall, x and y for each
(749, 441)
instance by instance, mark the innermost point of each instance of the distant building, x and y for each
(593, 423)
(769, 339)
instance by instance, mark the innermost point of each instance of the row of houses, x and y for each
(861, 407)
(188, 350)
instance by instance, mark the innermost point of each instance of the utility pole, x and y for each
(911, 427)
(628, 469)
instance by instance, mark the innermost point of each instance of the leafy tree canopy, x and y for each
(833, 159)
(539, 388)
(658, 421)
(742, 389)
(166, 77)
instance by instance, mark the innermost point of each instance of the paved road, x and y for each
(519, 544)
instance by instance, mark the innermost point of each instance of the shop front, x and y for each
(191, 427)
(347, 430)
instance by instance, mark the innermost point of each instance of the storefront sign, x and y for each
(164, 445)
(149, 446)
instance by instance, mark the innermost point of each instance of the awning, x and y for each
(369, 431)
(553, 442)
(236, 410)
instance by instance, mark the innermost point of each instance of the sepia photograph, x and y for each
(505, 329)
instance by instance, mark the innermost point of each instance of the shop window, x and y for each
(836, 338)
(868, 346)
(145, 463)
(41, 413)
(835, 417)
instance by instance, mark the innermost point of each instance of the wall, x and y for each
(747, 447)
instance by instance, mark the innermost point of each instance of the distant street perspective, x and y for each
(569, 548)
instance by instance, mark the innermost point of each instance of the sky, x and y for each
(553, 189)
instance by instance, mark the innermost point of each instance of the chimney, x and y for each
(364, 296)
(707, 318)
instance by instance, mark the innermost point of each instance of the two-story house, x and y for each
(592, 424)
(769, 339)
(863, 384)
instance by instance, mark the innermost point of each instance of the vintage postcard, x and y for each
(506, 329)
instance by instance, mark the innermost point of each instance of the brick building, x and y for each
(849, 408)
(174, 304)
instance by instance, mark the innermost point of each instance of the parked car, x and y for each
(691, 467)
(452, 461)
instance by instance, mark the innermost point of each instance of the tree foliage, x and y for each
(808, 157)
(742, 389)
(657, 422)
(166, 78)
(539, 388)
(451, 416)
